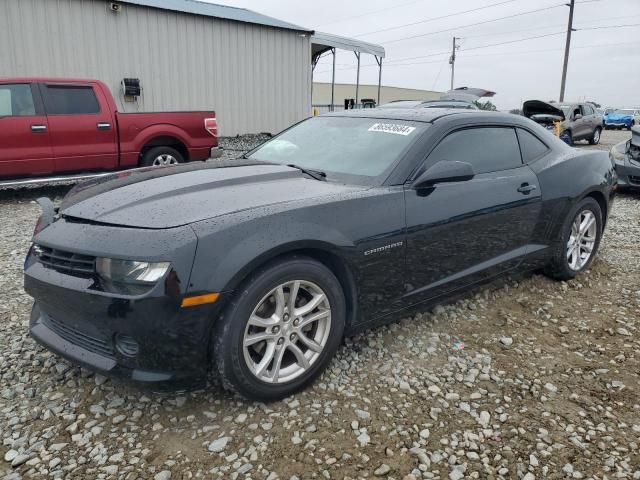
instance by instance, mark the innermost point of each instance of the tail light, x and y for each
(211, 126)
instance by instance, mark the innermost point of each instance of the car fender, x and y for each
(250, 244)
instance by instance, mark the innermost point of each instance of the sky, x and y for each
(604, 63)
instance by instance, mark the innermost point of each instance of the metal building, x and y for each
(253, 70)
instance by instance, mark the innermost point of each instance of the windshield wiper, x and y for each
(317, 174)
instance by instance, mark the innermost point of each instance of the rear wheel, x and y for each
(281, 330)
(161, 156)
(581, 234)
(595, 138)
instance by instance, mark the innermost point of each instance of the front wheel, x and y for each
(281, 329)
(595, 138)
(581, 234)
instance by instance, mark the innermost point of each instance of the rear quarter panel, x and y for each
(567, 178)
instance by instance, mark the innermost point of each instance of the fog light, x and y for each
(126, 345)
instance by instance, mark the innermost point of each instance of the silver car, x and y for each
(570, 121)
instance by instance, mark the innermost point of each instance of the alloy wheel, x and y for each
(164, 159)
(596, 136)
(287, 331)
(582, 240)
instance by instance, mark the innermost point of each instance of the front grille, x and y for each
(79, 338)
(634, 179)
(66, 262)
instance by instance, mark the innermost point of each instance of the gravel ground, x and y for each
(528, 378)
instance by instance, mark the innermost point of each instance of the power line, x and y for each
(351, 67)
(609, 26)
(519, 52)
(352, 17)
(427, 20)
(473, 24)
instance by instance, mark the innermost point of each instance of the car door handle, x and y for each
(104, 126)
(526, 188)
(38, 128)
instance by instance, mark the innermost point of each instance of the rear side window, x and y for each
(531, 147)
(70, 100)
(487, 149)
(16, 100)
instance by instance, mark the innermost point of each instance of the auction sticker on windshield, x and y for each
(392, 128)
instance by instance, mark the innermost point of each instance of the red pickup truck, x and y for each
(56, 126)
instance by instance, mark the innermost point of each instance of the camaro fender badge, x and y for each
(382, 249)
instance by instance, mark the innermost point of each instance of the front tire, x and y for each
(578, 245)
(280, 330)
(595, 138)
(567, 137)
(160, 157)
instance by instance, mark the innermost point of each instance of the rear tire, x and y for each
(595, 138)
(161, 156)
(295, 346)
(569, 257)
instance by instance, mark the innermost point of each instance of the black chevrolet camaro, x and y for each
(257, 268)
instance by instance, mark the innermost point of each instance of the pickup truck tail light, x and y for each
(211, 126)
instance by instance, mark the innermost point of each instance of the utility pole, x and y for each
(566, 49)
(452, 59)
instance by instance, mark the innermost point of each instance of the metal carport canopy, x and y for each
(324, 42)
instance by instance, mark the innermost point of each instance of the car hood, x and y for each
(165, 197)
(539, 108)
(619, 116)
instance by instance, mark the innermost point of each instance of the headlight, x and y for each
(131, 271)
(618, 153)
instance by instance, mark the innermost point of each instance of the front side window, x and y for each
(587, 110)
(362, 147)
(71, 100)
(487, 149)
(16, 100)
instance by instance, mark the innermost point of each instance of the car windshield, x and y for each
(566, 109)
(362, 147)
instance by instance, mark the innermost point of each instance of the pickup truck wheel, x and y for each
(281, 329)
(161, 156)
(595, 138)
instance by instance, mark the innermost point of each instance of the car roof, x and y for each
(427, 115)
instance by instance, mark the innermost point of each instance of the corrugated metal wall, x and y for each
(258, 79)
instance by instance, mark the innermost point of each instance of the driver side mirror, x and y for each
(444, 171)
(577, 116)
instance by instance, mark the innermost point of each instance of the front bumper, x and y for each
(147, 337)
(616, 123)
(172, 343)
(628, 174)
